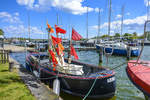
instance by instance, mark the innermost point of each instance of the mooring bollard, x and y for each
(11, 64)
(128, 52)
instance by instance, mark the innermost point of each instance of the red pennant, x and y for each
(75, 35)
(53, 59)
(56, 40)
(59, 30)
(73, 53)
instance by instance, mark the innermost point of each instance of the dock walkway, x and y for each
(38, 89)
(13, 48)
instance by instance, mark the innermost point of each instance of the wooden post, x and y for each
(7, 56)
(100, 55)
(128, 52)
(11, 64)
(2, 57)
(146, 97)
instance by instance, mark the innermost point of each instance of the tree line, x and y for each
(125, 35)
(1, 32)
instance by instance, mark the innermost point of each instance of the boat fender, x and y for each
(56, 86)
(36, 73)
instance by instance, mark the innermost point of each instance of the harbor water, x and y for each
(125, 89)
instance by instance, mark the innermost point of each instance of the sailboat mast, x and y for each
(109, 17)
(99, 23)
(87, 24)
(57, 19)
(29, 26)
(122, 20)
(148, 11)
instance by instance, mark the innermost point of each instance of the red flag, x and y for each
(60, 49)
(53, 58)
(56, 40)
(73, 53)
(59, 30)
(75, 35)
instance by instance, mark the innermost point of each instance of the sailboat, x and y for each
(138, 70)
(75, 77)
(116, 47)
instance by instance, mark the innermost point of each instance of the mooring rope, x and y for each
(145, 34)
(97, 78)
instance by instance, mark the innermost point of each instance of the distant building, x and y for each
(91, 41)
(1, 37)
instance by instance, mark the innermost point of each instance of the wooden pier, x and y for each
(83, 48)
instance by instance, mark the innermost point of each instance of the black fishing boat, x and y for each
(75, 77)
(78, 79)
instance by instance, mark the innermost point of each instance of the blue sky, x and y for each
(14, 16)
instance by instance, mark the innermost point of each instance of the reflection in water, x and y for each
(125, 89)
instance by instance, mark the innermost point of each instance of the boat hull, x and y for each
(78, 85)
(139, 76)
(121, 52)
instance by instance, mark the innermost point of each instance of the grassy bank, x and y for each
(11, 86)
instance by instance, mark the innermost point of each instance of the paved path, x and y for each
(14, 48)
(38, 89)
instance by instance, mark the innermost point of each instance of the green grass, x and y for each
(11, 86)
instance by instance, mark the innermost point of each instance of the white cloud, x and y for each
(7, 17)
(28, 3)
(4, 14)
(16, 14)
(21, 30)
(135, 24)
(71, 6)
(118, 16)
(128, 14)
(97, 10)
(146, 2)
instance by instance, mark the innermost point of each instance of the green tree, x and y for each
(128, 36)
(141, 37)
(1, 32)
(104, 36)
(148, 35)
(117, 35)
(135, 35)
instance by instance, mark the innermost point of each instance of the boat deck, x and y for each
(139, 75)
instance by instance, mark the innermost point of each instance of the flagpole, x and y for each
(69, 52)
